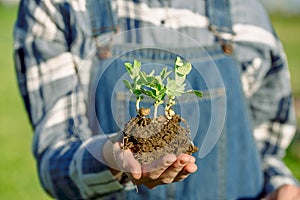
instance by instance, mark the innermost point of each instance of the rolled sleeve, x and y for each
(277, 174)
(89, 171)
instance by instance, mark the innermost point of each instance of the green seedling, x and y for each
(154, 86)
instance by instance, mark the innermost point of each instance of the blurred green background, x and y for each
(18, 177)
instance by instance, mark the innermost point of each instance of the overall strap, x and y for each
(102, 17)
(218, 13)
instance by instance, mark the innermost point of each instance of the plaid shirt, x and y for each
(52, 38)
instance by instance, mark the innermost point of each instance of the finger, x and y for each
(179, 169)
(153, 184)
(153, 170)
(186, 171)
(171, 173)
(126, 162)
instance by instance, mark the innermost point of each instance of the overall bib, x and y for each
(228, 161)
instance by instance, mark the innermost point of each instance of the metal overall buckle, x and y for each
(104, 44)
(104, 48)
(224, 39)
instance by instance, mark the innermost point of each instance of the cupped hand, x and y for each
(165, 170)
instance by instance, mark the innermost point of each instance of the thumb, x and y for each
(126, 161)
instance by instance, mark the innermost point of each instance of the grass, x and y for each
(292, 157)
(18, 176)
(288, 30)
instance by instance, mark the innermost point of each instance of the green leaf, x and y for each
(180, 79)
(136, 79)
(184, 69)
(172, 88)
(158, 78)
(160, 90)
(127, 84)
(181, 88)
(135, 72)
(161, 93)
(137, 64)
(171, 84)
(198, 93)
(152, 80)
(151, 73)
(143, 78)
(159, 87)
(178, 62)
(149, 93)
(137, 92)
(164, 74)
(128, 67)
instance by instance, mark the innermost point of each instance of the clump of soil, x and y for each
(151, 138)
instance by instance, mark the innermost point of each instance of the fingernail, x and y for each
(183, 162)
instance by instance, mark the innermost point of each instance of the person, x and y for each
(69, 91)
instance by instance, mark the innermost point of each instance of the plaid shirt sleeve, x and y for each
(266, 84)
(47, 78)
(271, 105)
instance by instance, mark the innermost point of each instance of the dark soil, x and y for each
(150, 138)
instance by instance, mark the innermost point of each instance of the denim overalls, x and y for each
(228, 161)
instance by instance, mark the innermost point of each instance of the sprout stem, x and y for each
(170, 104)
(155, 110)
(137, 104)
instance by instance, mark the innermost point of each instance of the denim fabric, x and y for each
(102, 18)
(219, 15)
(229, 168)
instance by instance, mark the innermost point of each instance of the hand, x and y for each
(164, 170)
(285, 192)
